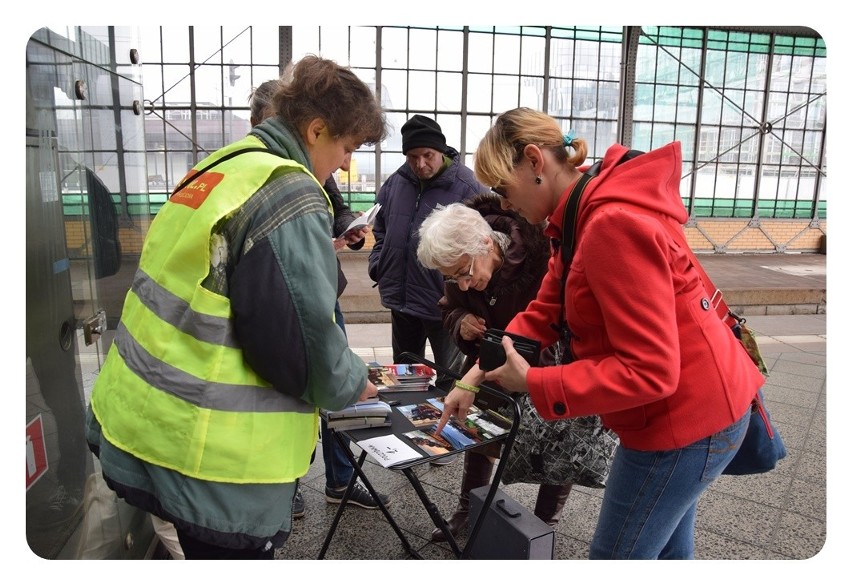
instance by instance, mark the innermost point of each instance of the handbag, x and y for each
(555, 452)
(762, 446)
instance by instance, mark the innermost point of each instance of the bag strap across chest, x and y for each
(569, 235)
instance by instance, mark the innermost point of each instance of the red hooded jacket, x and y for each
(651, 356)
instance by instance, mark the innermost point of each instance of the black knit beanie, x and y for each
(422, 132)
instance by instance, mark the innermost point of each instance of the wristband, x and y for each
(467, 387)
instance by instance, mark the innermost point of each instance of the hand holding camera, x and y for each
(492, 355)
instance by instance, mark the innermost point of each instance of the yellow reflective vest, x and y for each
(175, 390)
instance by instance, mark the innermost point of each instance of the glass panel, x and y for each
(394, 47)
(532, 92)
(208, 44)
(210, 82)
(505, 67)
(81, 255)
(505, 92)
(532, 55)
(394, 140)
(236, 46)
(477, 127)
(450, 50)
(480, 53)
(423, 49)
(507, 54)
(305, 41)
(451, 128)
(362, 46)
(175, 44)
(560, 97)
(391, 161)
(449, 91)
(395, 89)
(422, 95)
(264, 45)
(479, 93)
(334, 43)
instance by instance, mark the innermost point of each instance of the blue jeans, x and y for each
(649, 504)
(338, 469)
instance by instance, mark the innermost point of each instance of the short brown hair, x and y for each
(320, 88)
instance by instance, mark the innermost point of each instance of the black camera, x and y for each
(492, 355)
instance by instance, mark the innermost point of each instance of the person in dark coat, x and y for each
(493, 262)
(432, 175)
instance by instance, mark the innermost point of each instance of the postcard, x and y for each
(430, 443)
(421, 415)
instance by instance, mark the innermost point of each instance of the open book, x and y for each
(362, 221)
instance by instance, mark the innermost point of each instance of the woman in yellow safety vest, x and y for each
(205, 412)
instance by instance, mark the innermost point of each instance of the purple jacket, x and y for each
(404, 284)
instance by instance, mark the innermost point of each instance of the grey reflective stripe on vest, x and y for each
(178, 313)
(204, 393)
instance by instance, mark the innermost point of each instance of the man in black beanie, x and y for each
(432, 175)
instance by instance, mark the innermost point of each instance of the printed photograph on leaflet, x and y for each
(422, 414)
(478, 426)
(431, 444)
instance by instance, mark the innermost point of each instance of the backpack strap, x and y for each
(228, 156)
(569, 234)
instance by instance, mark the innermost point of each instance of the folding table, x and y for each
(488, 398)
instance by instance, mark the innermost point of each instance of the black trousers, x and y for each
(194, 549)
(409, 334)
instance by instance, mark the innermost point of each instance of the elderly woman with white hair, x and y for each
(493, 262)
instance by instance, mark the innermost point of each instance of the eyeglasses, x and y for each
(500, 191)
(457, 278)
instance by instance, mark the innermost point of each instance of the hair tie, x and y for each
(568, 139)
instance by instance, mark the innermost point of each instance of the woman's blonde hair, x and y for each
(503, 145)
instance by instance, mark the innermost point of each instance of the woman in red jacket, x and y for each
(651, 356)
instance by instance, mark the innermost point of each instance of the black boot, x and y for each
(477, 473)
(550, 501)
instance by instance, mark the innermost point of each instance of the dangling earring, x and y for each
(538, 179)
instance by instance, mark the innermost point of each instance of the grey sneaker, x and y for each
(298, 504)
(359, 497)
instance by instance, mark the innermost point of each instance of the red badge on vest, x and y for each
(194, 194)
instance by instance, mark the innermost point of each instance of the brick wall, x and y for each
(739, 236)
(733, 236)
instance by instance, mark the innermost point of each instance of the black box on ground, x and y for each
(509, 531)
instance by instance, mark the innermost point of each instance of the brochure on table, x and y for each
(388, 450)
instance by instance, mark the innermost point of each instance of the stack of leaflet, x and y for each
(361, 415)
(401, 377)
